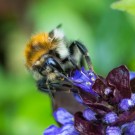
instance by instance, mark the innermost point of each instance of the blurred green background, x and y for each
(108, 34)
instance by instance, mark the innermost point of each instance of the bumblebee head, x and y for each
(40, 45)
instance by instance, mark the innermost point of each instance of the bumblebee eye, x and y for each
(51, 62)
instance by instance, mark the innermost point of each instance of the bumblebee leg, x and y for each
(64, 86)
(50, 62)
(83, 51)
(41, 84)
(53, 63)
(56, 66)
(51, 94)
(44, 86)
(73, 62)
(50, 87)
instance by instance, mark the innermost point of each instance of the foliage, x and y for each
(125, 5)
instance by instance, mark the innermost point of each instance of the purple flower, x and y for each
(63, 116)
(110, 117)
(52, 130)
(89, 114)
(125, 104)
(110, 104)
(68, 129)
(133, 97)
(129, 129)
(113, 131)
(107, 91)
(132, 75)
(78, 98)
(66, 119)
(114, 92)
(84, 79)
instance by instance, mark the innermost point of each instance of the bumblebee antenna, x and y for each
(59, 26)
(51, 94)
(45, 87)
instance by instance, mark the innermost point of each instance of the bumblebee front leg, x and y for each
(41, 84)
(44, 86)
(83, 51)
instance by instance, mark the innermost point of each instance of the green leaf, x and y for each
(125, 5)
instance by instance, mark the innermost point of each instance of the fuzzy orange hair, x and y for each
(38, 45)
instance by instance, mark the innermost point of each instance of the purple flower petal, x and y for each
(89, 114)
(63, 116)
(125, 104)
(107, 91)
(80, 77)
(101, 107)
(125, 117)
(52, 130)
(123, 127)
(129, 129)
(68, 129)
(133, 97)
(110, 117)
(84, 79)
(78, 98)
(99, 87)
(87, 97)
(113, 131)
(119, 78)
(132, 75)
(90, 74)
(87, 128)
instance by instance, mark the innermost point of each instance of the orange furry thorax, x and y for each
(38, 45)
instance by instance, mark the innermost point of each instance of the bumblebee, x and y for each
(51, 58)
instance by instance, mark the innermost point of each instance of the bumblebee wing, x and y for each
(62, 95)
